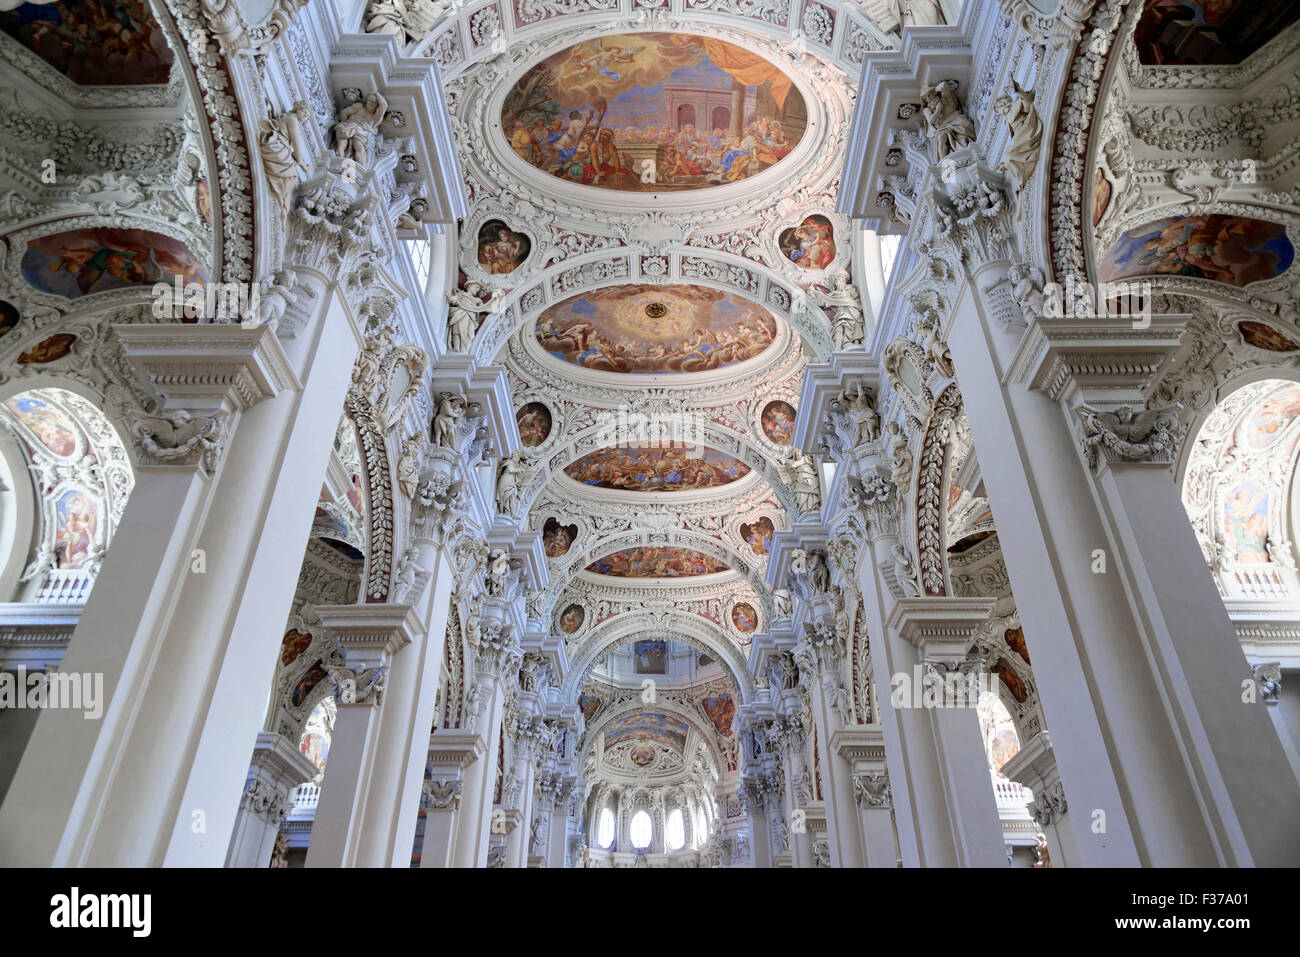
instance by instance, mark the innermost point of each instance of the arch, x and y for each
(80, 478)
(688, 629)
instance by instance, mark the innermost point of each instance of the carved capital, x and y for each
(1268, 681)
(359, 686)
(441, 795)
(871, 789)
(266, 800)
(1125, 434)
(180, 439)
(1049, 804)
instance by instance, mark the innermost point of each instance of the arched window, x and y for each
(641, 829)
(675, 830)
(605, 827)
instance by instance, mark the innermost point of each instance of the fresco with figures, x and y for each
(77, 516)
(645, 467)
(1208, 32)
(655, 329)
(1228, 249)
(534, 421)
(501, 250)
(656, 561)
(84, 261)
(1267, 424)
(93, 42)
(654, 112)
(778, 422)
(811, 244)
(720, 709)
(50, 427)
(648, 726)
(1245, 522)
(651, 657)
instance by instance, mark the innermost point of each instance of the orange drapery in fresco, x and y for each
(749, 68)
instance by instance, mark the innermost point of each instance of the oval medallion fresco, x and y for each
(1228, 249)
(744, 618)
(648, 467)
(46, 423)
(534, 421)
(656, 561)
(653, 112)
(655, 329)
(571, 619)
(1265, 337)
(778, 422)
(1273, 417)
(758, 535)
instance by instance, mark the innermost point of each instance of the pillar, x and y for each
(863, 748)
(276, 769)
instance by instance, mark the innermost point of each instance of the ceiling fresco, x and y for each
(655, 329)
(648, 467)
(93, 42)
(656, 561)
(653, 112)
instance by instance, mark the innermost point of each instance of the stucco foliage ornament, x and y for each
(1126, 434)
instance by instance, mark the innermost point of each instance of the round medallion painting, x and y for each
(811, 244)
(653, 112)
(557, 539)
(642, 754)
(8, 316)
(640, 328)
(778, 422)
(534, 420)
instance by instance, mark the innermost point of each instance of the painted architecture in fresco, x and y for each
(652, 112)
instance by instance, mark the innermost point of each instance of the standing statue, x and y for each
(1026, 133)
(462, 314)
(279, 141)
(447, 420)
(923, 13)
(947, 126)
(357, 123)
(408, 467)
(799, 471)
(1042, 856)
(863, 418)
(905, 571)
(936, 350)
(404, 19)
(847, 328)
(893, 15)
(513, 477)
(901, 473)
(782, 604)
(498, 570)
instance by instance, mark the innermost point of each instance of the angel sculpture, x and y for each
(1017, 108)
(799, 471)
(1128, 434)
(179, 435)
(462, 314)
(356, 125)
(948, 128)
(513, 477)
(847, 328)
(447, 420)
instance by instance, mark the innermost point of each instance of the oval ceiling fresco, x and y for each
(647, 467)
(653, 112)
(655, 329)
(656, 561)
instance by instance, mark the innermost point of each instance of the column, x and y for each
(819, 656)
(529, 737)
(863, 747)
(754, 797)
(450, 753)
(1034, 766)
(497, 662)
(216, 468)
(1170, 765)
(277, 768)
(1268, 684)
(737, 125)
(786, 736)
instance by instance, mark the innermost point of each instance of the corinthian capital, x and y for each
(439, 503)
(180, 439)
(266, 800)
(498, 653)
(876, 499)
(1126, 434)
(364, 686)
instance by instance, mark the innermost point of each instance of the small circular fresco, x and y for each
(653, 113)
(809, 245)
(534, 421)
(557, 539)
(778, 422)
